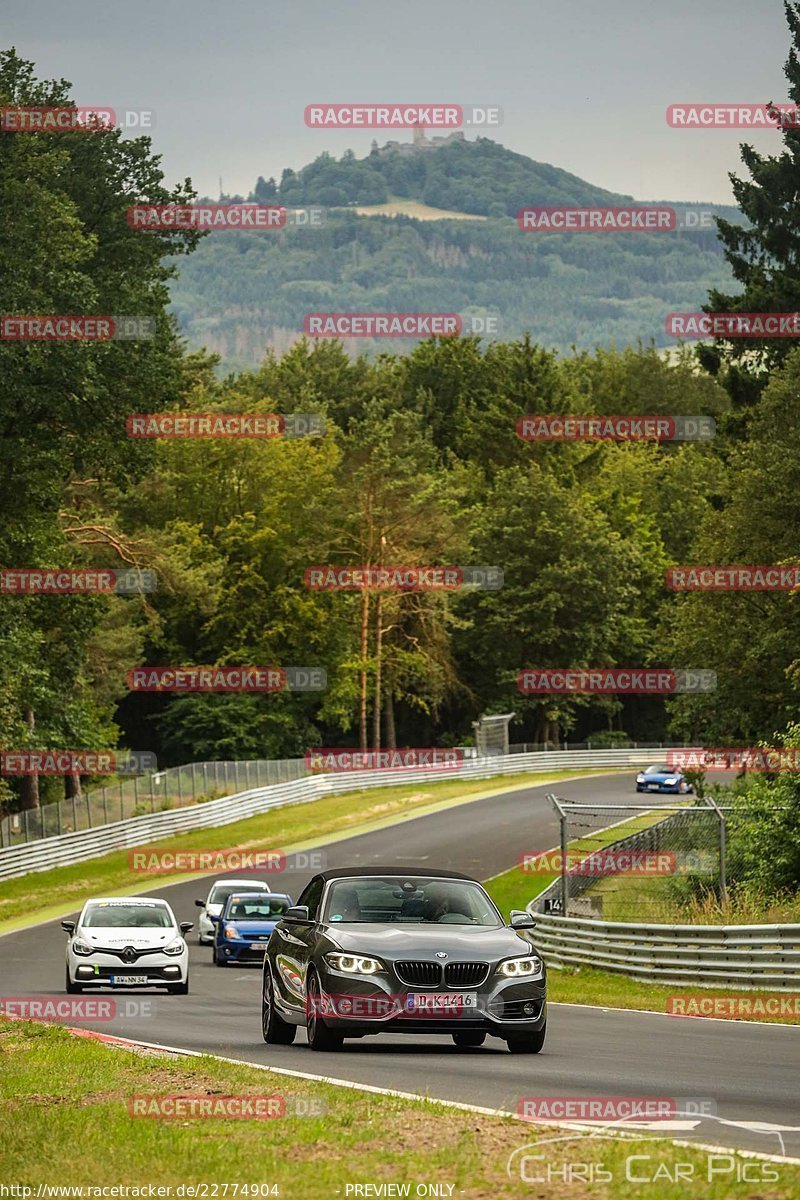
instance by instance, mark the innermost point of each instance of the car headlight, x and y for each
(232, 933)
(515, 967)
(176, 947)
(640, 778)
(354, 964)
(82, 948)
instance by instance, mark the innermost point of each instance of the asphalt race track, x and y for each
(749, 1071)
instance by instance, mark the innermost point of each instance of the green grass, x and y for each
(64, 1106)
(46, 894)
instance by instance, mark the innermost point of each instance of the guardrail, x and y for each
(742, 957)
(143, 830)
(738, 957)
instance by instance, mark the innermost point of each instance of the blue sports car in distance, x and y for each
(660, 778)
(243, 928)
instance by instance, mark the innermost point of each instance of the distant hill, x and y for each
(480, 177)
(241, 294)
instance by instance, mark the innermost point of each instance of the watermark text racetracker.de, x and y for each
(635, 218)
(575, 428)
(398, 324)
(733, 324)
(61, 581)
(227, 679)
(153, 860)
(210, 218)
(736, 1006)
(73, 118)
(403, 578)
(412, 758)
(390, 115)
(65, 1010)
(64, 327)
(718, 578)
(245, 1106)
(76, 762)
(603, 680)
(600, 863)
(224, 425)
(744, 758)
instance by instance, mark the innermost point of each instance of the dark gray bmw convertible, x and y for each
(371, 950)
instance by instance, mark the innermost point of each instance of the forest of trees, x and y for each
(420, 464)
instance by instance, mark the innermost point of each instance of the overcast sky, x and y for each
(583, 84)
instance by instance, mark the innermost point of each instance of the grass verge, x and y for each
(31, 897)
(64, 1104)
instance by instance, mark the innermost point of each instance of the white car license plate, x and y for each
(440, 1001)
(130, 980)
(652, 787)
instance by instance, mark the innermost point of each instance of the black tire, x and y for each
(469, 1040)
(527, 1043)
(319, 1036)
(274, 1030)
(72, 988)
(220, 962)
(178, 989)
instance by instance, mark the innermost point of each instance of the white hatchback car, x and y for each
(127, 941)
(215, 902)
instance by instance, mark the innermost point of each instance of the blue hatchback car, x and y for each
(243, 928)
(661, 778)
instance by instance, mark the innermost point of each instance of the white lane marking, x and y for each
(461, 1105)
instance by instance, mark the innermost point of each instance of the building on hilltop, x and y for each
(420, 142)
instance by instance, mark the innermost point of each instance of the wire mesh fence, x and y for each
(634, 862)
(136, 795)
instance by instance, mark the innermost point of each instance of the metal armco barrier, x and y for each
(70, 848)
(742, 957)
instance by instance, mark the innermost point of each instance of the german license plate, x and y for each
(130, 980)
(441, 1001)
(652, 787)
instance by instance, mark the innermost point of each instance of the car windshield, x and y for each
(402, 901)
(220, 891)
(659, 770)
(127, 916)
(254, 908)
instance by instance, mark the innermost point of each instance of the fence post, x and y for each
(194, 785)
(74, 816)
(105, 811)
(135, 792)
(723, 851)
(88, 811)
(180, 788)
(152, 795)
(41, 819)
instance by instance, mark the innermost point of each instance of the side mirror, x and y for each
(521, 919)
(186, 926)
(200, 903)
(214, 917)
(297, 913)
(68, 926)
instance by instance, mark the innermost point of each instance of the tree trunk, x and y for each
(362, 677)
(30, 783)
(72, 787)
(388, 719)
(376, 711)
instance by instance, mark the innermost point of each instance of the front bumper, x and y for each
(380, 1004)
(205, 928)
(109, 971)
(242, 951)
